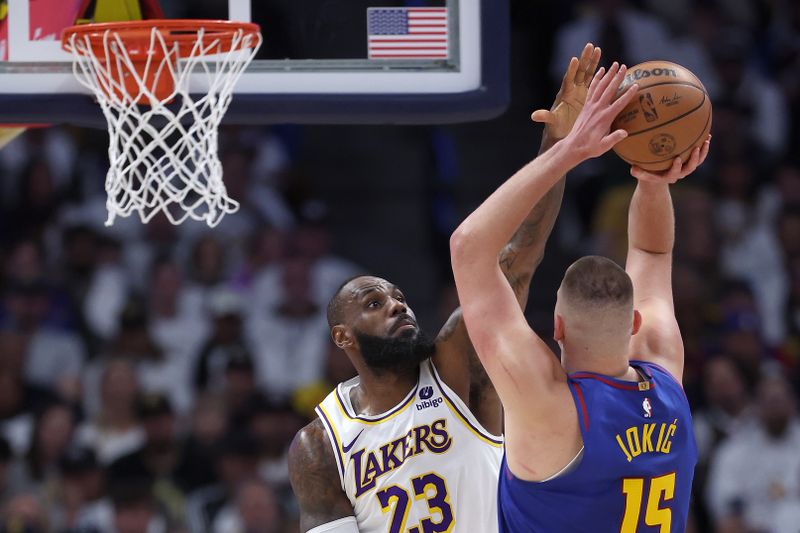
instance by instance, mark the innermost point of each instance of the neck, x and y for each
(377, 394)
(609, 359)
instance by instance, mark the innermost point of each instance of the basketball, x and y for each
(668, 118)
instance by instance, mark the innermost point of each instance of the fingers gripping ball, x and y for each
(669, 117)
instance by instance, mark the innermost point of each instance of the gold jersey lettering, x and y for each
(639, 439)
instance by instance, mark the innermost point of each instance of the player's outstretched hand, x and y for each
(572, 94)
(590, 136)
(678, 170)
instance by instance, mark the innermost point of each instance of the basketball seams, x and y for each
(688, 150)
(685, 114)
(666, 115)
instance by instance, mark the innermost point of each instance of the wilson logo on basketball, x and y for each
(640, 74)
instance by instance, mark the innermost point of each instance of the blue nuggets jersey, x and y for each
(635, 475)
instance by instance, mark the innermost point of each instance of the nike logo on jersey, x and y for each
(347, 448)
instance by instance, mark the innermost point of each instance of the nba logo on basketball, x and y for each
(425, 393)
(648, 409)
(649, 108)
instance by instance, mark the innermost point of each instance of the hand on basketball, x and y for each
(678, 170)
(571, 96)
(590, 136)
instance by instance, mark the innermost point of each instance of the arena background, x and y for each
(152, 377)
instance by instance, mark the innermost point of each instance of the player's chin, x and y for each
(409, 332)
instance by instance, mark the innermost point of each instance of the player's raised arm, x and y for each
(651, 236)
(494, 320)
(455, 357)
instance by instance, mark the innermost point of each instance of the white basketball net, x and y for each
(163, 156)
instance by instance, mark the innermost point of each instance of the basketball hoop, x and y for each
(163, 140)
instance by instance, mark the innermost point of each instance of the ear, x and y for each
(558, 328)
(341, 336)
(637, 322)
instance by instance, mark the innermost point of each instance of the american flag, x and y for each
(407, 32)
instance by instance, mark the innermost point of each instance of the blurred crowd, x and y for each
(152, 376)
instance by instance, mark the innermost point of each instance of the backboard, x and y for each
(322, 61)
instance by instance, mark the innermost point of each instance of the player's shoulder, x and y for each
(310, 454)
(315, 479)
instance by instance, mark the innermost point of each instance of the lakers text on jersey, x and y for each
(424, 466)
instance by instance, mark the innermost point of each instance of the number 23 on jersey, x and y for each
(433, 490)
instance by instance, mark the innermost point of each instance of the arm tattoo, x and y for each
(518, 260)
(525, 250)
(315, 478)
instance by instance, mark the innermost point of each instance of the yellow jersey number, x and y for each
(661, 488)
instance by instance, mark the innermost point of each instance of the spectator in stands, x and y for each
(750, 249)
(728, 408)
(226, 341)
(52, 434)
(176, 315)
(625, 34)
(338, 369)
(157, 459)
(743, 85)
(20, 400)
(207, 427)
(273, 425)
(255, 510)
(291, 338)
(757, 472)
(236, 461)
(114, 429)
(740, 336)
(129, 508)
(54, 357)
(240, 384)
(81, 487)
(264, 248)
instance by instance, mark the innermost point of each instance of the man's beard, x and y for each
(395, 355)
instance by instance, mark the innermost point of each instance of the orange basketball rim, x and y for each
(143, 52)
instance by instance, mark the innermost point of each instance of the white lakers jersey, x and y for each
(424, 466)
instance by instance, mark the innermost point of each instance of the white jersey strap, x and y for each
(333, 438)
(343, 525)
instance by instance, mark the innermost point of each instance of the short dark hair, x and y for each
(597, 281)
(336, 303)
